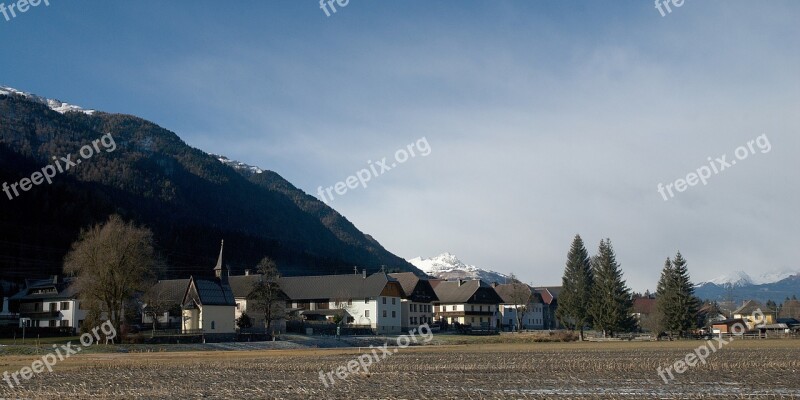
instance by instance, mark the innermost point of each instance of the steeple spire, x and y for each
(218, 270)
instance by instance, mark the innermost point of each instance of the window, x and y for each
(366, 313)
(472, 308)
(64, 323)
(213, 325)
(37, 307)
(384, 313)
(384, 300)
(64, 305)
(393, 300)
(394, 314)
(53, 306)
(52, 323)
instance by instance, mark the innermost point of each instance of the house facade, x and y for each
(549, 297)
(519, 298)
(373, 301)
(49, 303)
(473, 303)
(242, 286)
(417, 301)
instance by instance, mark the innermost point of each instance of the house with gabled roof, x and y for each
(208, 305)
(49, 303)
(242, 286)
(473, 303)
(373, 300)
(531, 309)
(416, 306)
(163, 301)
(752, 312)
(549, 296)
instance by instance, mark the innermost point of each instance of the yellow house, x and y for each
(753, 314)
(209, 308)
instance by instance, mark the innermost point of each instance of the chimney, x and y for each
(460, 282)
(54, 278)
(364, 273)
(495, 284)
(247, 272)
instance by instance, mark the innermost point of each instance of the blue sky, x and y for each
(545, 118)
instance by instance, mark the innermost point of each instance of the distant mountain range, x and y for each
(189, 199)
(448, 266)
(739, 286)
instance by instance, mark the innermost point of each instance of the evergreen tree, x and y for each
(687, 303)
(611, 306)
(676, 299)
(665, 297)
(576, 293)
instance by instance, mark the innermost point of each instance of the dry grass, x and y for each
(762, 369)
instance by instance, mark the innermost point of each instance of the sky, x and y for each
(530, 121)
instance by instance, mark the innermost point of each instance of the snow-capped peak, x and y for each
(238, 165)
(735, 278)
(448, 266)
(55, 105)
(741, 278)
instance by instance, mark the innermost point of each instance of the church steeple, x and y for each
(219, 270)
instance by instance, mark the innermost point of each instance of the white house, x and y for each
(373, 301)
(49, 303)
(417, 302)
(519, 298)
(473, 303)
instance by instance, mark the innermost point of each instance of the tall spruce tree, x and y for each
(576, 293)
(687, 303)
(665, 297)
(676, 300)
(611, 303)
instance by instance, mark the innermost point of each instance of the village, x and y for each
(223, 309)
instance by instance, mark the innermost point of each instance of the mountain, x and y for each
(741, 278)
(188, 198)
(739, 286)
(448, 266)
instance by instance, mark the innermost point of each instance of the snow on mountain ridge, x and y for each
(55, 105)
(238, 165)
(741, 278)
(448, 266)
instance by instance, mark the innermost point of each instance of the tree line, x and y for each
(594, 294)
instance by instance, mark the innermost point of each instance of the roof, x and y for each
(170, 291)
(644, 305)
(414, 287)
(352, 286)
(749, 307)
(507, 292)
(548, 293)
(212, 292)
(408, 281)
(472, 291)
(242, 285)
(55, 288)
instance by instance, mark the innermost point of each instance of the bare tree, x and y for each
(521, 296)
(343, 304)
(111, 262)
(157, 302)
(266, 296)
